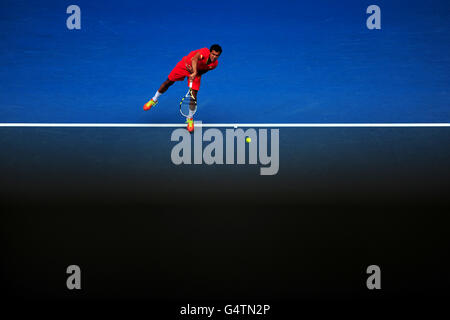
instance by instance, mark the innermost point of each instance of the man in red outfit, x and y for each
(193, 66)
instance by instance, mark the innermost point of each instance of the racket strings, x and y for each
(188, 105)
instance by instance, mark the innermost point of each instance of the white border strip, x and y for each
(227, 125)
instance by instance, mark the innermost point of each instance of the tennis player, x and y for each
(193, 66)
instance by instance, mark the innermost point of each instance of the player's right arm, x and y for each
(194, 66)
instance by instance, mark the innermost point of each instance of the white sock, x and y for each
(191, 113)
(157, 94)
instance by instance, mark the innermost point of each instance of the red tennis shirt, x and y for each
(202, 60)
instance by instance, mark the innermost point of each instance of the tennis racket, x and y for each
(188, 104)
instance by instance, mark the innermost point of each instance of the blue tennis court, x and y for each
(298, 61)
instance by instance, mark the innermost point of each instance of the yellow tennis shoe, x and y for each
(190, 124)
(150, 104)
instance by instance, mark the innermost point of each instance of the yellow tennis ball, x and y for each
(248, 139)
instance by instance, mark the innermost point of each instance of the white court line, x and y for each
(227, 125)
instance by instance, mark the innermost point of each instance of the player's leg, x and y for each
(163, 88)
(165, 85)
(195, 88)
(193, 105)
(177, 74)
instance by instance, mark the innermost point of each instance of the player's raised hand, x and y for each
(192, 76)
(189, 68)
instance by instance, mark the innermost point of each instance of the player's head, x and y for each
(214, 52)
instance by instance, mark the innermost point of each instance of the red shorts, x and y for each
(180, 72)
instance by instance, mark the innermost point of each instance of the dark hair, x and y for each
(216, 48)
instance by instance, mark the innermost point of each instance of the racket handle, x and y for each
(190, 84)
